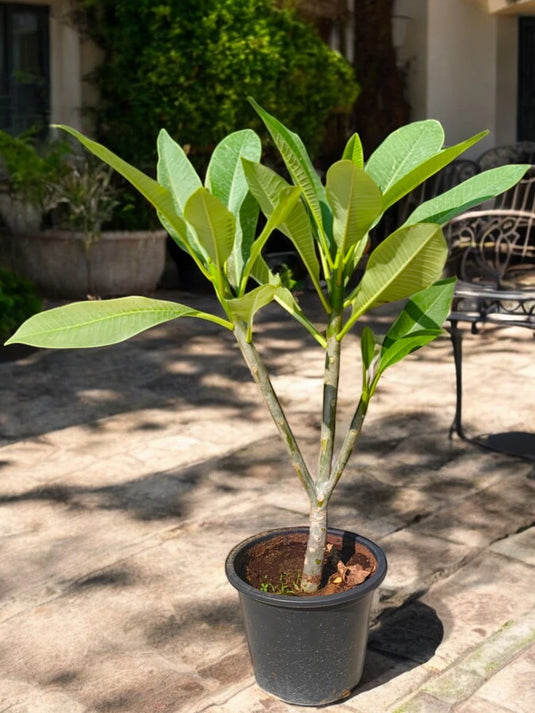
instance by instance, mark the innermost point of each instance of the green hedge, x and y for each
(18, 301)
(189, 65)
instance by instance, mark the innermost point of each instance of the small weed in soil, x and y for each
(289, 583)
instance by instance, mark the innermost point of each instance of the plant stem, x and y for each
(315, 552)
(331, 380)
(260, 375)
(317, 537)
(349, 442)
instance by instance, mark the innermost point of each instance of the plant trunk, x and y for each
(315, 552)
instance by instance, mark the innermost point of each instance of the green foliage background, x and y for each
(189, 65)
(18, 301)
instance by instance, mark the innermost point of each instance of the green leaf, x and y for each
(267, 186)
(404, 263)
(353, 151)
(403, 150)
(367, 347)
(214, 224)
(297, 162)
(156, 194)
(101, 322)
(404, 346)
(355, 201)
(225, 178)
(426, 310)
(247, 306)
(176, 173)
(426, 169)
(419, 323)
(471, 192)
(288, 198)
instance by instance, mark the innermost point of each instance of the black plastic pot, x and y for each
(307, 651)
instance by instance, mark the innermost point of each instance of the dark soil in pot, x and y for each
(274, 565)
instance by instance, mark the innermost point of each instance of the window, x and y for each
(526, 79)
(24, 67)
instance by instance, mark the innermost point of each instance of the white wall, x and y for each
(65, 70)
(462, 69)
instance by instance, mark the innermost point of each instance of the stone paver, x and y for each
(126, 476)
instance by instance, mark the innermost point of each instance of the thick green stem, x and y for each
(315, 552)
(261, 377)
(331, 380)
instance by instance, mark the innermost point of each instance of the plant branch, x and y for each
(351, 438)
(261, 377)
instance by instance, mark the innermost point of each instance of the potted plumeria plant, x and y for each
(292, 581)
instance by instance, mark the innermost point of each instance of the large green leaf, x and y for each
(159, 196)
(226, 180)
(298, 163)
(225, 177)
(214, 224)
(426, 169)
(404, 346)
(471, 192)
(403, 150)
(355, 201)
(267, 186)
(406, 262)
(427, 309)
(101, 322)
(419, 323)
(176, 173)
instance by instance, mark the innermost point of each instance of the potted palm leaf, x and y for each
(306, 591)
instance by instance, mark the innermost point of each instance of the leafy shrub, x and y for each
(189, 65)
(32, 166)
(18, 301)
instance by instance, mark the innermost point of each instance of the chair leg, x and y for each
(456, 340)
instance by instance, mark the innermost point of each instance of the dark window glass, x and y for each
(24, 68)
(526, 79)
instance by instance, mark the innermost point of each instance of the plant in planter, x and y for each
(289, 615)
(31, 171)
(82, 199)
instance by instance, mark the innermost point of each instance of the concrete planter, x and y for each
(62, 264)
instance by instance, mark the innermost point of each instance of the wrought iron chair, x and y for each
(492, 253)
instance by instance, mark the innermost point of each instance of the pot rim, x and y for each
(313, 602)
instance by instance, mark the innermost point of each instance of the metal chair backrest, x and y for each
(493, 247)
(521, 152)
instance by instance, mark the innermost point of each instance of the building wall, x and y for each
(461, 68)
